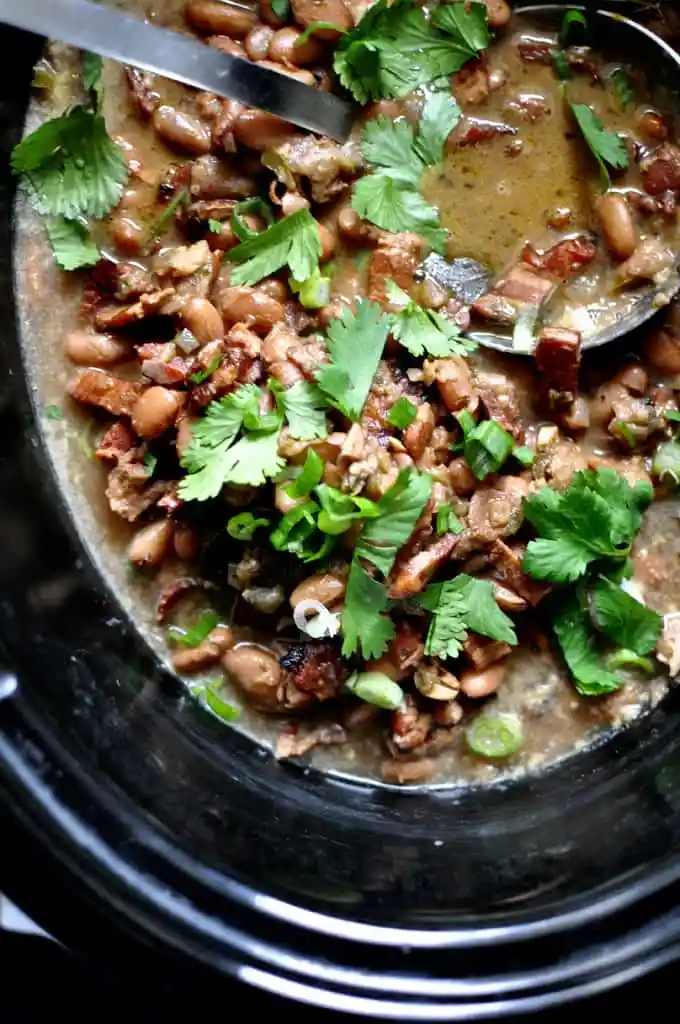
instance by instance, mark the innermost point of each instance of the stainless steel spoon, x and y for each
(122, 37)
(632, 44)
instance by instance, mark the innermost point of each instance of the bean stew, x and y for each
(354, 533)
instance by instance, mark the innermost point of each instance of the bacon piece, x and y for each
(115, 395)
(558, 356)
(410, 577)
(524, 287)
(395, 258)
(142, 92)
(117, 440)
(507, 569)
(563, 259)
(112, 317)
(496, 308)
(315, 669)
(474, 129)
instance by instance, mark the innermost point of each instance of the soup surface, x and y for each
(363, 539)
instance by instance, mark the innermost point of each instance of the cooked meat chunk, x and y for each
(128, 490)
(558, 356)
(661, 170)
(113, 394)
(395, 258)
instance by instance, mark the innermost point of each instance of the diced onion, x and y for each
(186, 341)
(313, 618)
(159, 371)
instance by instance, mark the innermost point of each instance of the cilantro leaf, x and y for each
(461, 605)
(73, 167)
(71, 243)
(424, 331)
(365, 626)
(597, 517)
(624, 620)
(304, 406)
(394, 50)
(468, 27)
(571, 624)
(440, 116)
(390, 144)
(92, 77)
(213, 459)
(377, 198)
(448, 629)
(293, 241)
(399, 510)
(355, 345)
(607, 147)
(402, 414)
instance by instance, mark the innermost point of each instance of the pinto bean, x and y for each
(498, 11)
(256, 672)
(405, 772)
(127, 234)
(286, 373)
(155, 411)
(227, 45)
(185, 543)
(84, 348)
(329, 240)
(417, 435)
(152, 544)
(214, 17)
(462, 478)
(259, 131)
(283, 49)
(258, 40)
(603, 401)
(325, 587)
(212, 178)
(352, 226)
(478, 683)
(203, 320)
(285, 69)
(181, 130)
(617, 224)
(252, 307)
(283, 501)
(634, 378)
(652, 125)
(663, 351)
(196, 659)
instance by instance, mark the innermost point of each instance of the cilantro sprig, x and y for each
(459, 606)
(355, 345)
(585, 537)
(607, 147)
(366, 626)
(394, 49)
(424, 331)
(293, 241)
(389, 197)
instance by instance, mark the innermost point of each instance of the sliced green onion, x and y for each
(624, 432)
(524, 331)
(295, 528)
(281, 9)
(215, 226)
(494, 735)
(447, 521)
(672, 414)
(624, 658)
(44, 76)
(623, 86)
(225, 711)
(561, 65)
(466, 421)
(256, 206)
(255, 419)
(318, 26)
(314, 292)
(666, 462)
(150, 463)
(339, 511)
(376, 688)
(573, 20)
(525, 456)
(197, 633)
(244, 525)
(311, 475)
(169, 212)
(202, 375)
(486, 448)
(402, 414)
(53, 412)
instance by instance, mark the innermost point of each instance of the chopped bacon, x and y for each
(411, 576)
(395, 258)
(507, 568)
(294, 742)
(142, 92)
(558, 356)
(475, 129)
(114, 394)
(316, 669)
(563, 259)
(496, 308)
(524, 287)
(471, 84)
(117, 440)
(112, 317)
